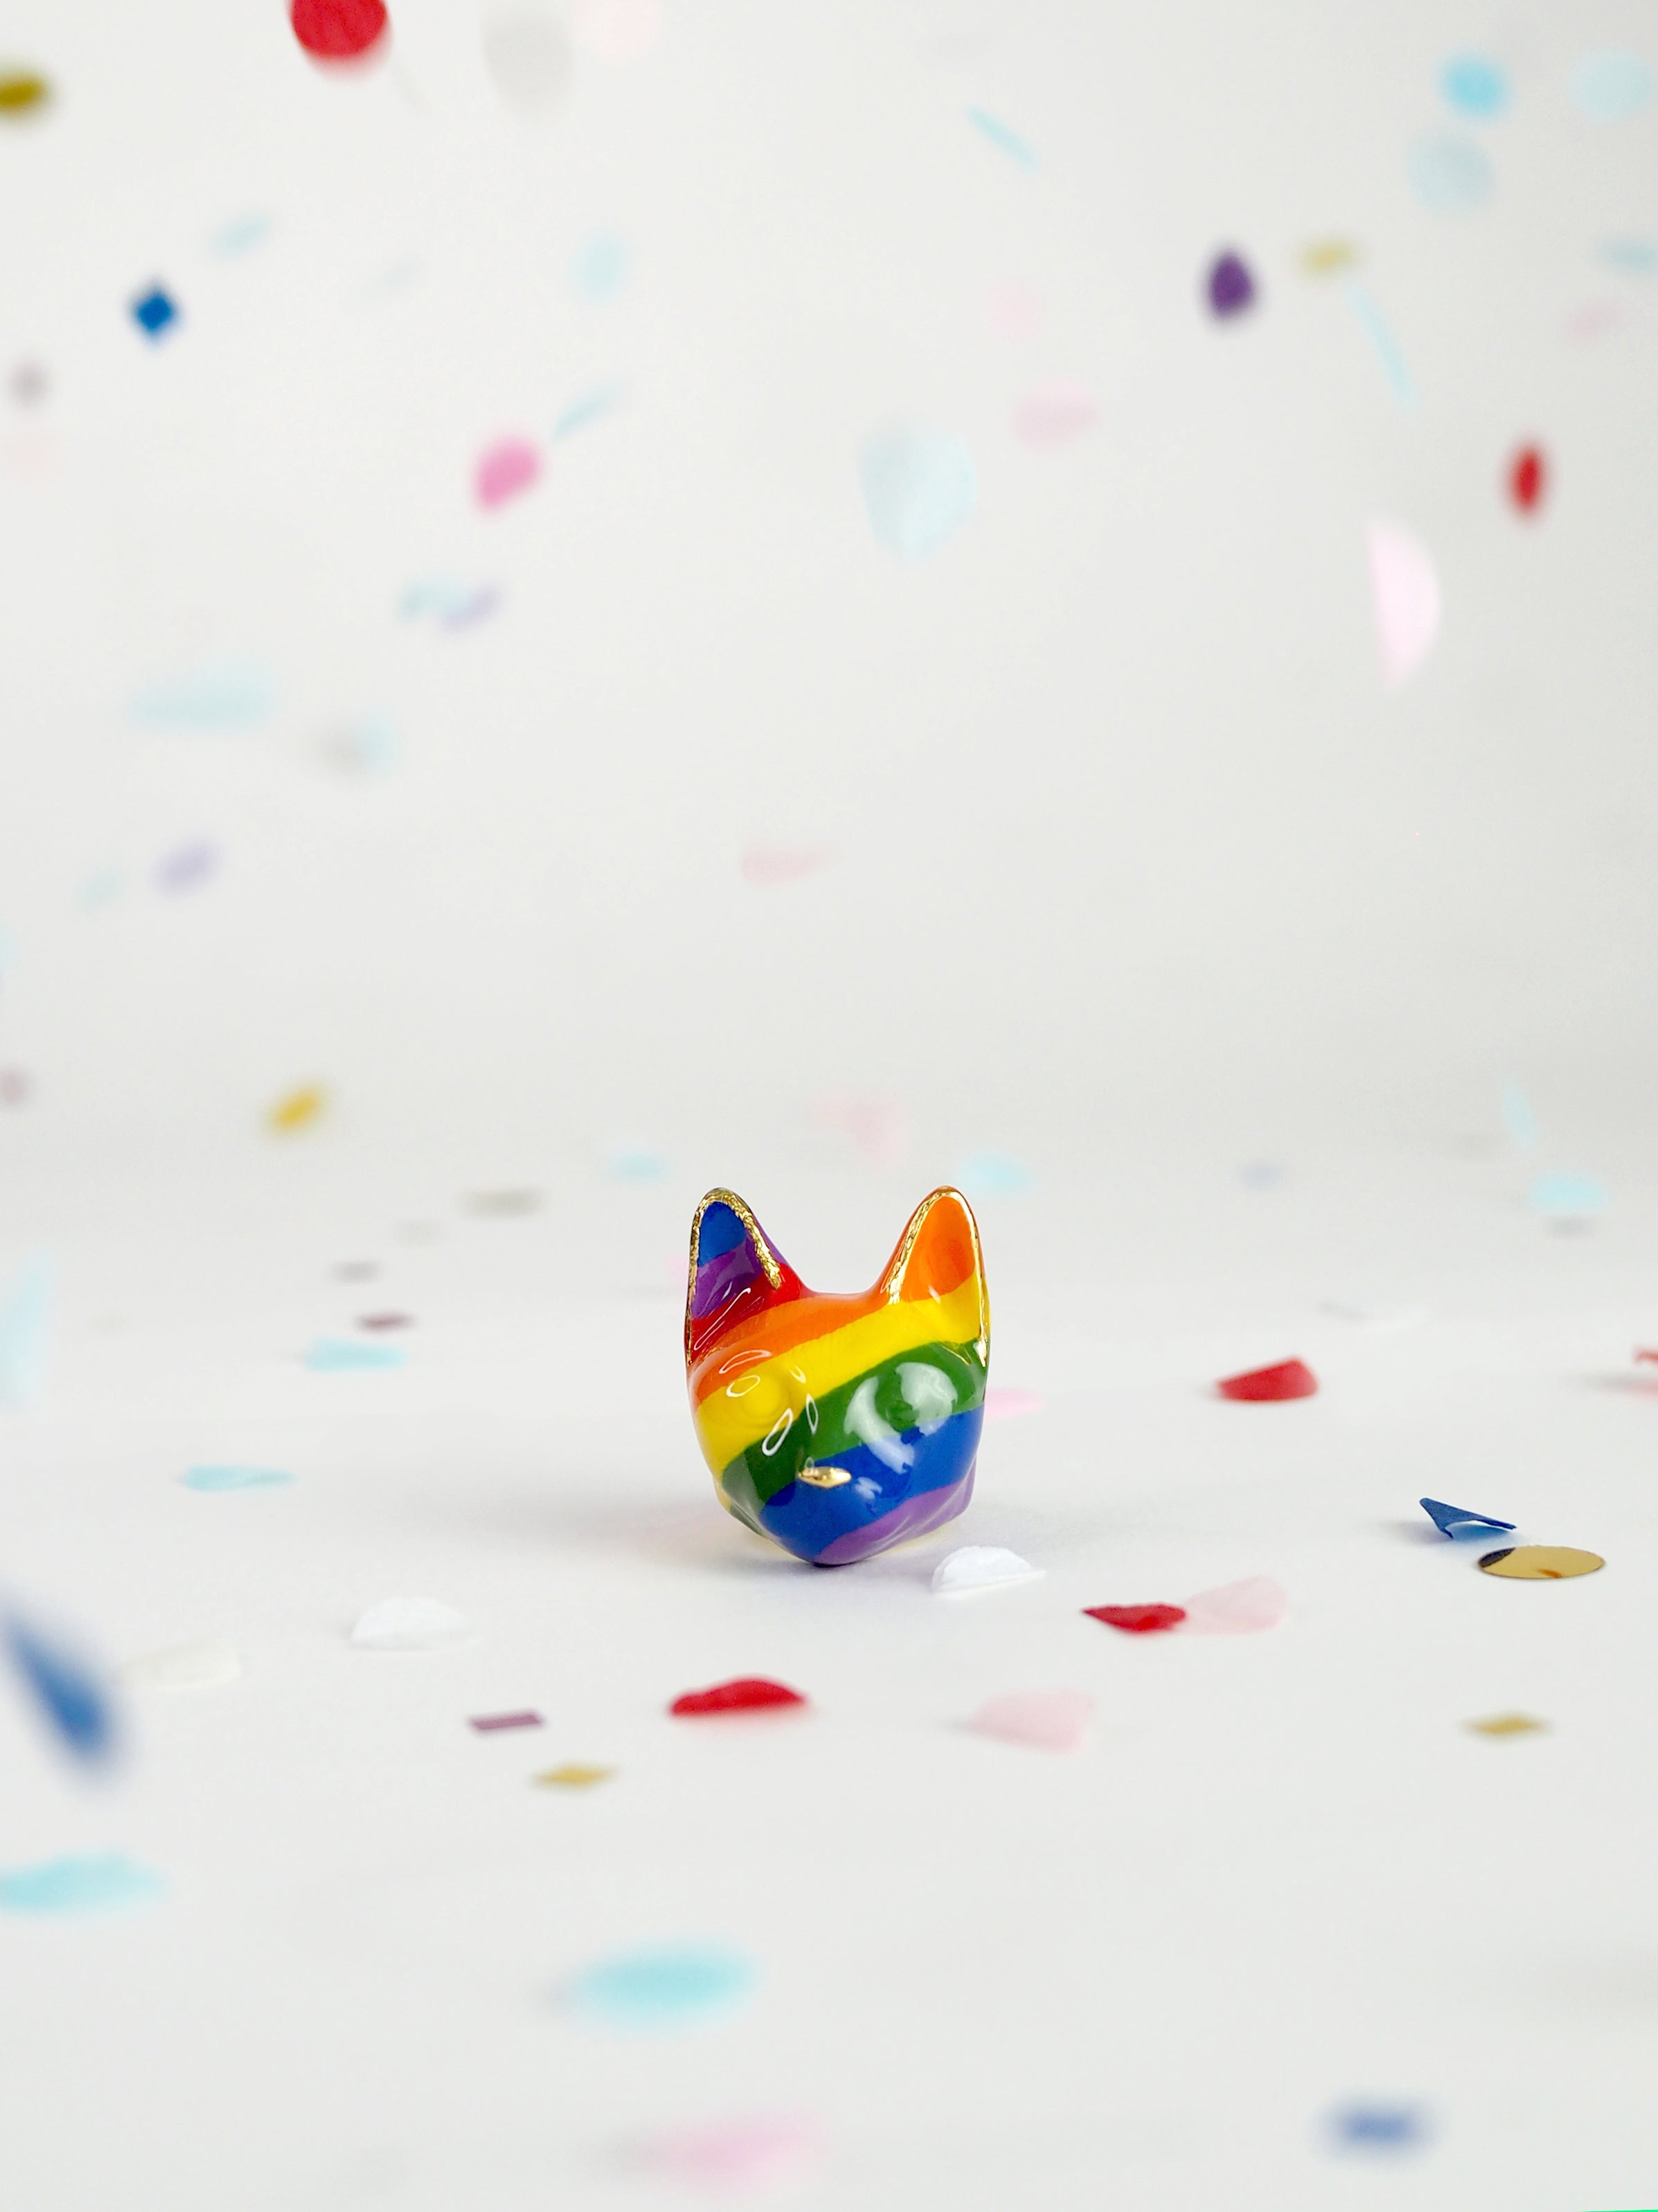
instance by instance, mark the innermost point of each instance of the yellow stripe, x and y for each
(728, 1423)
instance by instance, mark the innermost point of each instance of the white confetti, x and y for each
(411, 1623)
(981, 1567)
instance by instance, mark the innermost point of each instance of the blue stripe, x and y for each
(807, 1519)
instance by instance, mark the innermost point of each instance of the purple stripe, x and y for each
(914, 1517)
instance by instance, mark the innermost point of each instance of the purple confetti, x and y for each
(187, 868)
(487, 1723)
(1231, 288)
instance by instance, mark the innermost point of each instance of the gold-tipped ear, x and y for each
(937, 1253)
(734, 1229)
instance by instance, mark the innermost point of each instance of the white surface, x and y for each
(1137, 875)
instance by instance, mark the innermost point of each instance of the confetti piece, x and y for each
(1242, 1608)
(65, 1689)
(1408, 603)
(762, 2152)
(1518, 1119)
(509, 467)
(619, 32)
(879, 1127)
(1229, 286)
(22, 93)
(1328, 256)
(527, 53)
(341, 1355)
(1006, 1405)
(366, 748)
(235, 1477)
(600, 268)
(663, 1989)
(1593, 321)
(1504, 1724)
(1454, 1521)
(155, 312)
(1575, 1198)
(187, 867)
(1289, 1378)
(1382, 341)
(338, 30)
(1051, 1720)
(298, 1109)
(16, 1086)
(1262, 1175)
(28, 384)
(504, 1204)
(572, 1777)
(205, 1666)
(103, 1883)
(411, 1623)
(994, 1175)
(588, 409)
(1635, 257)
(1055, 413)
(1002, 137)
(494, 1723)
(225, 695)
(1527, 478)
(1609, 86)
(768, 866)
(744, 1693)
(981, 1567)
(1475, 86)
(25, 1329)
(1378, 2127)
(1015, 311)
(240, 236)
(1138, 1619)
(379, 1320)
(1541, 1563)
(1450, 175)
(920, 487)
(635, 1164)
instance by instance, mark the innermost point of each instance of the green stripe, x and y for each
(901, 1403)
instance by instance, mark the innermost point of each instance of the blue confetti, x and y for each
(920, 486)
(1518, 1118)
(1378, 2127)
(635, 1164)
(25, 1327)
(994, 1175)
(600, 269)
(225, 695)
(154, 313)
(1568, 1197)
(66, 1690)
(662, 1988)
(343, 1355)
(1449, 175)
(1000, 135)
(587, 409)
(1475, 86)
(1610, 86)
(1262, 1175)
(1453, 1521)
(105, 1882)
(241, 236)
(1635, 257)
(1386, 345)
(235, 1477)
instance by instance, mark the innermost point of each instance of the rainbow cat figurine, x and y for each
(837, 1426)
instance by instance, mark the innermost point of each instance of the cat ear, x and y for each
(939, 1253)
(734, 1271)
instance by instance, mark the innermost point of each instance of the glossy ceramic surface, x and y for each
(837, 1426)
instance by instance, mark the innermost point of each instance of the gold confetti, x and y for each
(1507, 1724)
(21, 92)
(1541, 1563)
(1326, 257)
(574, 1776)
(298, 1109)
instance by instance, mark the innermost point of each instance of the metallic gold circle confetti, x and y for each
(21, 93)
(1501, 1725)
(1541, 1563)
(298, 1109)
(574, 1776)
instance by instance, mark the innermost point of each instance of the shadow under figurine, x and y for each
(838, 1426)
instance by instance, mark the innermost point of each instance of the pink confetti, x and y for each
(1016, 312)
(1054, 1720)
(878, 1127)
(505, 469)
(1234, 1609)
(492, 1723)
(1004, 1404)
(1408, 603)
(766, 866)
(755, 2153)
(618, 31)
(1595, 319)
(1054, 414)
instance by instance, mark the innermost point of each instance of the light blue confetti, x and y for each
(993, 1175)
(587, 409)
(1635, 257)
(65, 1689)
(1449, 175)
(1475, 86)
(241, 236)
(224, 694)
(665, 1989)
(235, 1477)
(1000, 135)
(1385, 2128)
(1609, 86)
(1560, 1197)
(343, 1355)
(104, 1882)
(600, 268)
(635, 1164)
(100, 887)
(25, 1327)
(920, 486)
(1519, 1119)
(1383, 339)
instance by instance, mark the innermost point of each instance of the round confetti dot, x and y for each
(1609, 86)
(1449, 175)
(1475, 86)
(1230, 286)
(1541, 1563)
(338, 30)
(920, 487)
(1527, 478)
(21, 93)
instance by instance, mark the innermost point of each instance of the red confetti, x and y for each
(1138, 1619)
(1290, 1378)
(748, 1693)
(338, 30)
(487, 1723)
(1650, 1357)
(1527, 478)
